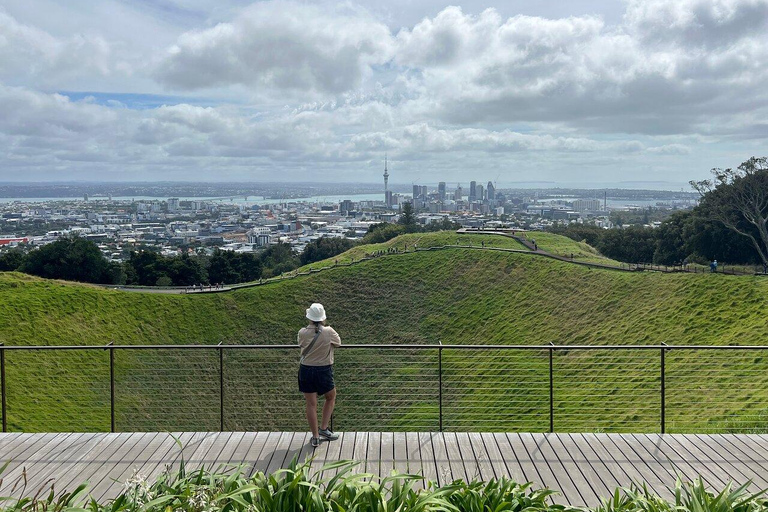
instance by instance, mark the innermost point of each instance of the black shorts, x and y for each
(316, 379)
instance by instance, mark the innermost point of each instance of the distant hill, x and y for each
(457, 296)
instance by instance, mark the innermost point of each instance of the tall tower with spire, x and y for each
(386, 182)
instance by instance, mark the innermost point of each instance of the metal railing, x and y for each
(638, 388)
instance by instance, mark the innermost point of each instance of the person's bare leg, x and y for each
(330, 402)
(311, 399)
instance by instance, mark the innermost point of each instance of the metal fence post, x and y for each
(551, 388)
(221, 388)
(2, 387)
(111, 347)
(663, 390)
(440, 382)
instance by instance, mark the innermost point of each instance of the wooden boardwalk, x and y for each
(582, 467)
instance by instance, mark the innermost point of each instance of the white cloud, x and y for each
(284, 45)
(28, 54)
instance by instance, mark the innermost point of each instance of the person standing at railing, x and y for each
(317, 342)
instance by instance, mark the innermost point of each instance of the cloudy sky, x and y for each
(602, 91)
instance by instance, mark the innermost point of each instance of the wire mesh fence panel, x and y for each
(75, 390)
(261, 390)
(723, 391)
(387, 389)
(495, 390)
(167, 390)
(601, 390)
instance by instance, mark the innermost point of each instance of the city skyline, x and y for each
(588, 92)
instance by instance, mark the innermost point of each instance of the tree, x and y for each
(324, 248)
(70, 258)
(408, 218)
(738, 199)
(11, 260)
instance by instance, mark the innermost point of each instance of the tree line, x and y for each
(730, 223)
(78, 259)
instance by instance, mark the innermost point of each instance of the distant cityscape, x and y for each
(245, 217)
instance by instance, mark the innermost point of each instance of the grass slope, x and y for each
(457, 296)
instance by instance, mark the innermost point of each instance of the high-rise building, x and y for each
(416, 191)
(346, 206)
(173, 204)
(491, 191)
(388, 198)
(441, 190)
(479, 193)
(458, 193)
(472, 191)
(424, 191)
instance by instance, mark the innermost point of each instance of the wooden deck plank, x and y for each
(360, 450)
(121, 463)
(637, 468)
(124, 469)
(519, 465)
(32, 459)
(165, 456)
(642, 467)
(580, 468)
(734, 467)
(7, 442)
(82, 470)
(344, 450)
(442, 462)
(401, 452)
(546, 472)
(227, 451)
(256, 453)
(732, 456)
(387, 455)
(610, 474)
(413, 457)
(300, 440)
(266, 452)
(575, 488)
(238, 457)
(428, 461)
(736, 448)
(757, 448)
(69, 463)
(99, 463)
(27, 448)
(40, 472)
(484, 465)
(373, 457)
(703, 463)
(467, 456)
(675, 461)
(277, 460)
(455, 461)
(495, 458)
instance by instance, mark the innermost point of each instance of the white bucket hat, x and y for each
(316, 312)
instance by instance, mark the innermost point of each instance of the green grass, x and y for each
(457, 296)
(563, 246)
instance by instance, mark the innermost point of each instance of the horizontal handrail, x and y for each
(403, 346)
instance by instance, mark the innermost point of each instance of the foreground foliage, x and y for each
(336, 488)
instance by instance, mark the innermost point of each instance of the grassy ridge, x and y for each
(457, 296)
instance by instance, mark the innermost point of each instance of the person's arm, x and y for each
(335, 338)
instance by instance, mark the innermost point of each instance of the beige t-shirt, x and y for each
(322, 353)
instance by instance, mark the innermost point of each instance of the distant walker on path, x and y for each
(713, 266)
(317, 342)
